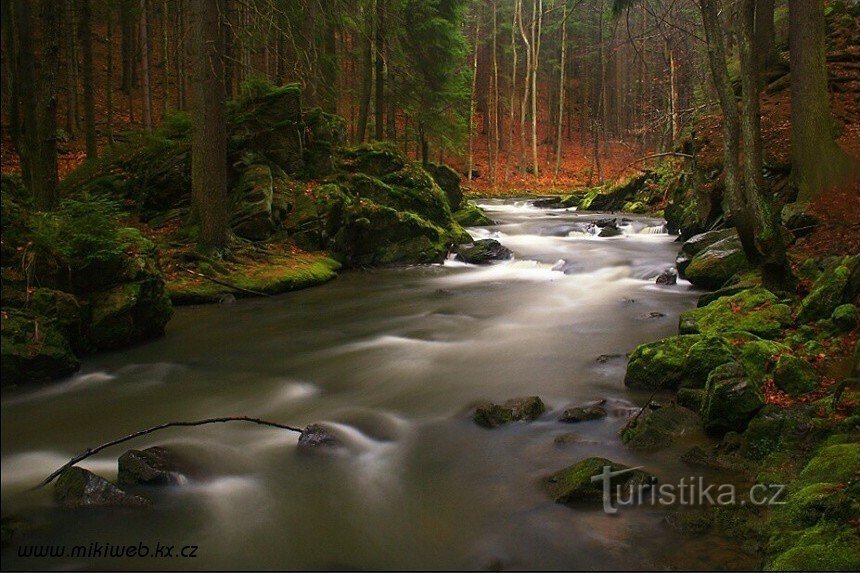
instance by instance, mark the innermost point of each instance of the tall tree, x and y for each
(209, 133)
(379, 46)
(144, 65)
(85, 37)
(818, 163)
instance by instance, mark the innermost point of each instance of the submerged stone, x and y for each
(483, 252)
(490, 415)
(77, 487)
(153, 466)
(583, 414)
(318, 437)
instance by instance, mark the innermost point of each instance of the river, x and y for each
(392, 359)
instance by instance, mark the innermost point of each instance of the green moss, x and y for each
(470, 215)
(33, 350)
(732, 399)
(703, 357)
(794, 375)
(717, 263)
(829, 291)
(659, 365)
(574, 482)
(826, 547)
(755, 310)
(275, 276)
(845, 317)
(837, 463)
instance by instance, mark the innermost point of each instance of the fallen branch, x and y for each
(92, 451)
(223, 283)
(656, 155)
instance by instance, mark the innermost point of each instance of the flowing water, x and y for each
(391, 360)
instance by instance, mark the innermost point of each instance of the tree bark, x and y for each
(818, 163)
(561, 90)
(85, 37)
(379, 107)
(366, 77)
(472, 96)
(209, 139)
(144, 66)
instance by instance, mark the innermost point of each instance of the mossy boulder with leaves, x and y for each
(756, 311)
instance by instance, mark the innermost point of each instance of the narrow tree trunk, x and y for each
(11, 94)
(673, 96)
(472, 96)
(495, 99)
(513, 100)
(537, 21)
(209, 139)
(144, 66)
(366, 77)
(818, 163)
(46, 179)
(109, 73)
(165, 58)
(561, 90)
(72, 83)
(379, 106)
(526, 84)
(765, 35)
(85, 37)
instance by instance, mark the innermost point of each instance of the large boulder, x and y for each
(483, 252)
(78, 488)
(491, 415)
(703, 356)
(731, 400)
(755, 310)
(835, 286)
(34, 350)
(575, 483)
(449, 181)
(659, 365)
(794, 375)
(717, 263)
(698, 243)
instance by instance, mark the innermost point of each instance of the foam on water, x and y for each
(76, 383)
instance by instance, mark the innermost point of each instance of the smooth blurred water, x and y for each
(391, 360)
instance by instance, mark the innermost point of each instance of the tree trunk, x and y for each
(209, 139)
(526, 84)
(818, 163)
(72, 84)
(494, 156)
(379, 106)
(513, 103)
(472, 96)
(765, 35)
(768, 249)
(109, 73)
(366, 77)
(561, 90)
(165, 58)
(45, 177)
(144, 66)
(537, 21)
(85, 37)
(11, 94)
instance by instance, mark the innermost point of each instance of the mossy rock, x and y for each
(704, 356)
(816, 502)
(491, 415)
(376, 160)
(659, 365)
(470, 215)
(32, 353)
(845, 317)
(692, 398)
(755, 310)
(128, 313)
(732, 399)
(825, 547)
(325, 134)
(251, 211)
(757, 355)
(838, 463)
(80, 488)
(794, 375)
(659, 428)
(483, 252)
(574, 483)
(834, 287)
(716, 264)
(449, 181)
(275, 276)
(764, 432)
